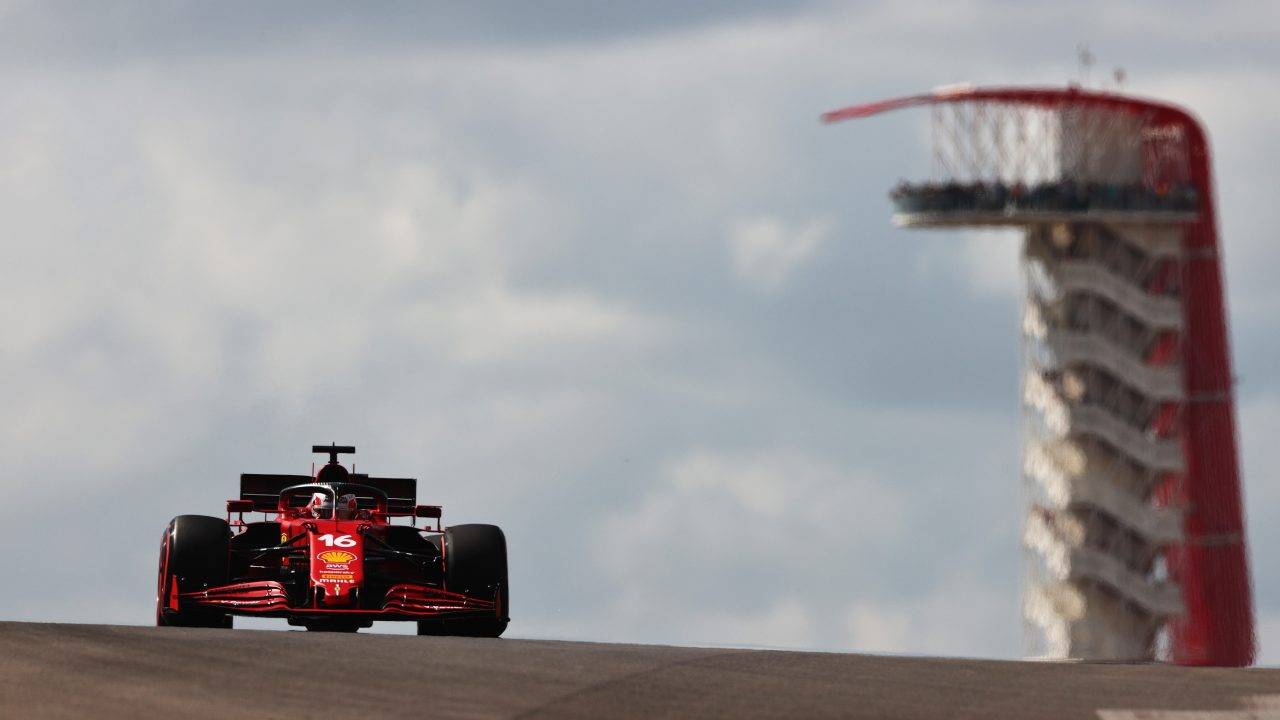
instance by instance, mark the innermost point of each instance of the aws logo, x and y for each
(336, 556)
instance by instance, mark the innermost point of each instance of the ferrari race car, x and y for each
(326, 556)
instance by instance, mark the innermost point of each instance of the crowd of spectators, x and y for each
(1059, 196)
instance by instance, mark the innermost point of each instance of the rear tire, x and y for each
(476, 565)
(193, 556)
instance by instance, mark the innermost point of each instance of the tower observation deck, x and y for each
(1134, 530)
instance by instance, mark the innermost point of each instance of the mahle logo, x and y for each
(336, 556)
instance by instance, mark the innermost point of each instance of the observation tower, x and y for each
(1134, 531)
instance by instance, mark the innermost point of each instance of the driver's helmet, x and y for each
(347, 507)
(321, 506)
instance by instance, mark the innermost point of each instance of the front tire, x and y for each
(193, 555)
(476, 565)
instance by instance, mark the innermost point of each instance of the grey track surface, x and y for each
(76, 671)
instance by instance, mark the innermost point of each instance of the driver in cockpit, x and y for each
(322, 507)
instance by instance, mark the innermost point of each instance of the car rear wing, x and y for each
(264, 490)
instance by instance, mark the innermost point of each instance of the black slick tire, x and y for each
(475, 565)
(193, 555)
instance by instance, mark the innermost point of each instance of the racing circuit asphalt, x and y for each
(97, 671)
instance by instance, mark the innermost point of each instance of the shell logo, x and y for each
(336, 556)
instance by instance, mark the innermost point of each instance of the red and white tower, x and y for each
(1134, 529)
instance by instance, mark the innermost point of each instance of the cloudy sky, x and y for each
(594, 273)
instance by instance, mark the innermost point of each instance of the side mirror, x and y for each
(427, 511)
(239, 506)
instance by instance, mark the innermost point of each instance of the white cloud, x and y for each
(989, 260)
(876, 628)
(497, 325)
(788, 622)
(765, 252)
(961, 616)
(1267, 628)
(745, 520)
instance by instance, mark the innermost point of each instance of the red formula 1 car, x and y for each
(331, 559)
